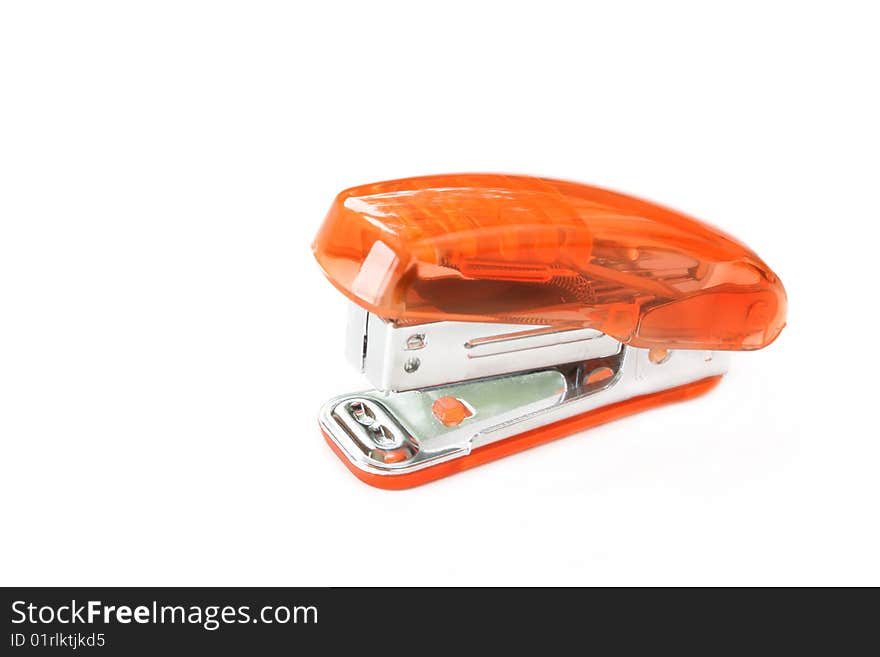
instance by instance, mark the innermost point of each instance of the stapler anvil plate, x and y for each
(493, 313)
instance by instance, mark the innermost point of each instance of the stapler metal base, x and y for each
(409, 437)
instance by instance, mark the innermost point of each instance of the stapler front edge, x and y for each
(493, 313)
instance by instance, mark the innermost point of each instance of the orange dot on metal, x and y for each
(600, 374)
(450, 411)
(658, 356)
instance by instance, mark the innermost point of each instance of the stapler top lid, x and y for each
(526, 250)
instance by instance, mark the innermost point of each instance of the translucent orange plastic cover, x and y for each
(496, 248)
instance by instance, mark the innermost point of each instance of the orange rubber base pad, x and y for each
(529, 439)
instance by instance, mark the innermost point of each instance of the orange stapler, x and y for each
(492, 313)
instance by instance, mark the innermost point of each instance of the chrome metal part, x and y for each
(356, 336)
(399, 358)
(373, 430)
(502, 406)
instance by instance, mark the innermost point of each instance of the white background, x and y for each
(166, 337)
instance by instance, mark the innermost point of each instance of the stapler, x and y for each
(493, 313)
